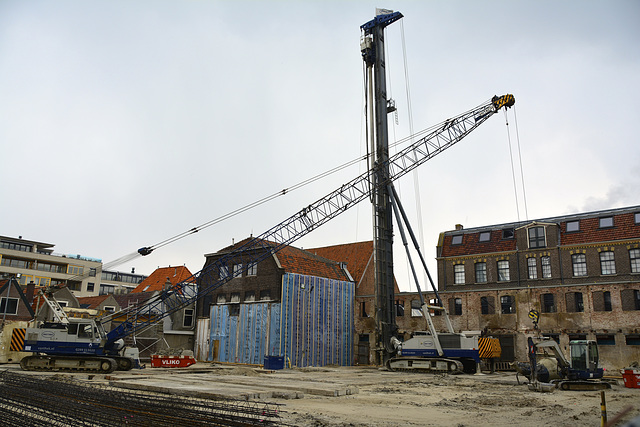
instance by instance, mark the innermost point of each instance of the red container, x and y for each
(631, 378)
(158, 361)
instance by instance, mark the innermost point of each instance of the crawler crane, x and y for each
(58, 345)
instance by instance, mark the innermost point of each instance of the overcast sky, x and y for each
(124, 123)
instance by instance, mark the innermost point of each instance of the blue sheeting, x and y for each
(311, 326)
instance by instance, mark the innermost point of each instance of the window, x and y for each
(265, 294)
(415, 308)
(548, 303)
(187, 320)
(634, 259)
(630, 299)
(636, 217)
(399, 308)
(607, 262)
(84, 331)
(363, 309)
(606, 222)
(536, 237)
(632, 339)
(234, 310)
(249, 296)
(532, 267)
(579, 263)
(481, 272)
(575, 302)
(90, 287)
(106, 289)
(92, 272)
(508, 233)
(253, 269)
(8, 305)
(456, 240)
(486, 305)
(485, 236)
(455, 306)
(573, 226)
(506, 304)
(606, 339)
(503, 271)
(434, 302)
(601, 301)
(76, 270)
(109, 308)
(577, 337)
(235, 297)
(223, 272)
(237, 270)
(555, 337)
(606, 299)
(222, 298)
(545, 261)
(458, 274)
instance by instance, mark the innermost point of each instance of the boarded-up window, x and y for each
(455, 306)
(548, 303)
(630, 299)
(487, 305)
(575, 303)
(601, 301)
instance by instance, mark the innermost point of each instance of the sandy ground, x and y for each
(381, 398)
(392, 399)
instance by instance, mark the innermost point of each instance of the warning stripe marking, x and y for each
(17, 339)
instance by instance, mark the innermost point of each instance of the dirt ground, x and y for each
(367, 396)
(392, 399)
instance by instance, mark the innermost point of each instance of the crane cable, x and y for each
(513, 173)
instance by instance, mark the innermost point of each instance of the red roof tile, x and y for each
(356, 255)
(92, 302)
(298, 261)
(157, 279)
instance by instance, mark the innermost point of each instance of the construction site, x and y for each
(532, 321)
(205, 394)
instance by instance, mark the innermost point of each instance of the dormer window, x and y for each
(456, 240)
(573, 226)
(606, 222)
(485, 236)
(536, 238)
(508, 233)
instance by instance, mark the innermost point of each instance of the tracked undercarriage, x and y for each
(421, 364)
(98, 364)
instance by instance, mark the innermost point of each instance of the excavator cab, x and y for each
(584, 360)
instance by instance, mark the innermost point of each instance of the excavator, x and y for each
(548, 368)
(82, 344)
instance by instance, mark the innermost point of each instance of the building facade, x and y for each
(579, 275)
(293, 304)
(32, 261)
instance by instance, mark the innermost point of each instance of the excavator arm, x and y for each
(212, 276)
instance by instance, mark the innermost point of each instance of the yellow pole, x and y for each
(603, 410)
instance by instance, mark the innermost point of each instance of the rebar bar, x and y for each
(61, 401)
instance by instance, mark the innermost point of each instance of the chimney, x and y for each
(30, 291)
(167, 284)
(459, 227)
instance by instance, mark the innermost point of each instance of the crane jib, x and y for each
(308, 219)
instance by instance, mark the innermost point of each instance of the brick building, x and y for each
(581, 273)
(293, 304)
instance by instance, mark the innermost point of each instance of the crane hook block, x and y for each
(503, 101)
(145, 251)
